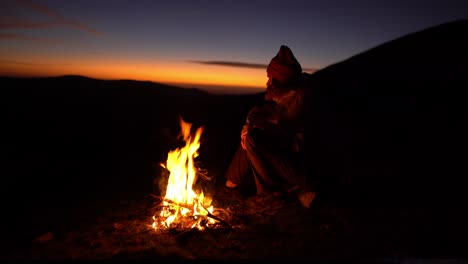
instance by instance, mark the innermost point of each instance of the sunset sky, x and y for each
(200, 43)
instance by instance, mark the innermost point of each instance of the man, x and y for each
(271, 138)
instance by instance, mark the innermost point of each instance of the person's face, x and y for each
(270, 81)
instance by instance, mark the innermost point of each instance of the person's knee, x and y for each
(250, 140)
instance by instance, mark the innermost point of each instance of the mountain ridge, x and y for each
(391, 119)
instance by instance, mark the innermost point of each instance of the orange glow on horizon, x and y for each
(161, 72)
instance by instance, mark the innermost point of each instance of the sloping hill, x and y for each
(387, 126)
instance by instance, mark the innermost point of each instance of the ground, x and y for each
(120, 229)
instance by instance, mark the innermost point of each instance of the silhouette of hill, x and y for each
(387, 125)
(94, 119)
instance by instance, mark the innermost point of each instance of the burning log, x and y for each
(170, 203)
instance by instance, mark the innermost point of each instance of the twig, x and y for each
(157, 197)
(225, 212)
(204, 175)
(188, 206)
(293, 189)
(215, 217)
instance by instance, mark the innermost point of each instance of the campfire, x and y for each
(184, 206)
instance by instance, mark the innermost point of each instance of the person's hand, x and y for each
(245, 130)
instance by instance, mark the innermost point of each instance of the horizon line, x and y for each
(211, 88)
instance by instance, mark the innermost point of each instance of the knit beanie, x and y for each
(284, 67)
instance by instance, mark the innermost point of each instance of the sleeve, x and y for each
(263, 115)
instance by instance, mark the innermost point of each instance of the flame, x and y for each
(181, 200)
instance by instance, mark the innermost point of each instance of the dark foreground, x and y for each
(120, 229)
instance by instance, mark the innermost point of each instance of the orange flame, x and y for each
(183, 175)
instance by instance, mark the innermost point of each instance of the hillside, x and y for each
(387, 125)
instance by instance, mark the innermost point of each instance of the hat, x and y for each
(284, 66)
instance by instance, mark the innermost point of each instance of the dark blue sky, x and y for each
(160, 40)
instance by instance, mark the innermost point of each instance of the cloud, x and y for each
(26, 25)
(15, 36)
(242, 65)
(58, 18)
(233, 64)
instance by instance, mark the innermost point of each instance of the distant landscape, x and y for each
(385, 129)
(78, 131)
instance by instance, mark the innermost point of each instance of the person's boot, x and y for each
(230, 184)
(306, 198)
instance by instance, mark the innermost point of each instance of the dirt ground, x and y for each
(121, 230)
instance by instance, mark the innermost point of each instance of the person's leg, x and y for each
(293, 176)
(273, 164)
(239, 169)
(288, 169)
(265, 178)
